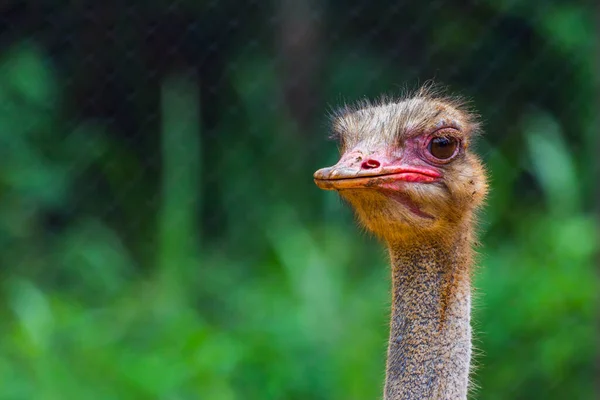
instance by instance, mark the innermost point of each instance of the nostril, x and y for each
(370, 164)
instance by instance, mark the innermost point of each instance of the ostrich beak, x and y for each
(355, 173)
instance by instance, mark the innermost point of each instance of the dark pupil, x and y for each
(442, 147)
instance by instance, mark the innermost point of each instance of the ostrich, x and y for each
(407, 170)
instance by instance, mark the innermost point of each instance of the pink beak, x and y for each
(354, 173)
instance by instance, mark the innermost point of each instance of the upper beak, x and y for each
(344, 176)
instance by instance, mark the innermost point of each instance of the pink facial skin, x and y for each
(367, 168)
(388, 170)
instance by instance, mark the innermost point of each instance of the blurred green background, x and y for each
(161, 234)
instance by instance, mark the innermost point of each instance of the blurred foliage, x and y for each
(115, 286)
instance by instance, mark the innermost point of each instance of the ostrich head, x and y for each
(405, 165)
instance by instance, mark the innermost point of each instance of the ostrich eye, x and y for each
(442, 147)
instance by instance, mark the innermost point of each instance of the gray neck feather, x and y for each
(429, 348)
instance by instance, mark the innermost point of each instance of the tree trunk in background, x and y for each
(299, 39)
(299, 61)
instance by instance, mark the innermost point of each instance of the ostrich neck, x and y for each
(429, 347)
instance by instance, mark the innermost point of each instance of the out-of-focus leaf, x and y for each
(26, 71)
(33, 312)
(552, 163)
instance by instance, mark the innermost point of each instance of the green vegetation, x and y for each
(129, 296)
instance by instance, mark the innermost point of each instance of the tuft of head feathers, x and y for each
(397, 117)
